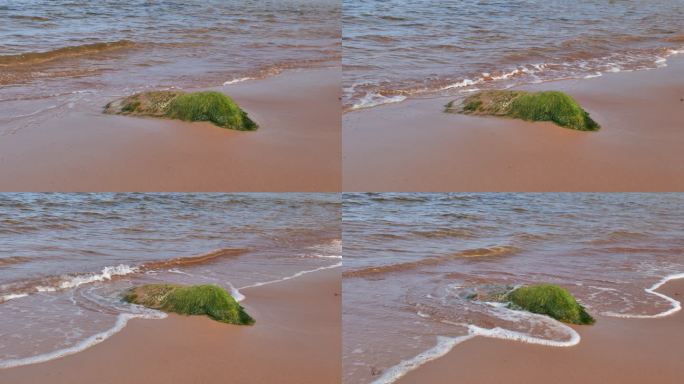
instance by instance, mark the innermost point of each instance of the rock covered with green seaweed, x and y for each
(544, 299)
(211, 106)
(554, 106)
(210, 300)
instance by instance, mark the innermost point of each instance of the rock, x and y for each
(209, 300)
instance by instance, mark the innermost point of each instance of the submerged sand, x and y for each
(297, 147)
(296, 339)
(612, 351)
(413, 146)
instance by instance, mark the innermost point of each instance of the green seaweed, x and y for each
(210, 106)
(210, 300)
(550, 300)
(553, 106)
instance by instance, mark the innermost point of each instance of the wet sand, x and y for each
(612, 351)
(413, 146)
(297, 147)
(296, 339)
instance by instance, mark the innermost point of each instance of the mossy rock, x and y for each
(209, 300)
(550, 300)
(211, 106)
(553, 106)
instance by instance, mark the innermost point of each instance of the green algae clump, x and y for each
(210, 300)
(211, 106)
(554, 106)
(550, 300)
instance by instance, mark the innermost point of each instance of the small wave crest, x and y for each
(372, 99)
(58, 283)
(436, 260)
(238, 80)
(107, 273)
(14, 260)
(294, 276)
(186, 261)
(64, 52)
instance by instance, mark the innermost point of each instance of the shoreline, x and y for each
(287, 344)
(296, 148)
(414, 146)
(628, 350)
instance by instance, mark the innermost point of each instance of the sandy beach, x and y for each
(612, 351)
(413, 146)
(297, 147)
(290, 343)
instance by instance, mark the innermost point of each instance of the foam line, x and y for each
(370, 100)
(235, 293)
(121, 322)
(444, 345)
(676, 305)
(12, 296)
(298, 274)
(78, 280)
(506, 334)
(237, 80)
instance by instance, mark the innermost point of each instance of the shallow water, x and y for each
(397, 48)
(412, 262)
(65, 259)
(54, 54)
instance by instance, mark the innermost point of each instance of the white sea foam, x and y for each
(676, 305)
(296, 275)
(444, 345)
(121, 322)
(12, 296)
(179, 272)
(507, 334)
(461, 84)
(374, 99)
(237, 295)
(237, 80)
(106, 274)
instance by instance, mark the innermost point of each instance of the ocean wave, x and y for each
(12, 296)
(186, 261)
(64, 52)
(294, 276)
(14, 260)
(562, 68)
(372, 99)
(107, 273)
(436, 260)
(238, 80)
(59, 283)
(444, 233)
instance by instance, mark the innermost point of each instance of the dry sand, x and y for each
(296, 339)
(413, 146)
(297, 147)
(611, 351)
